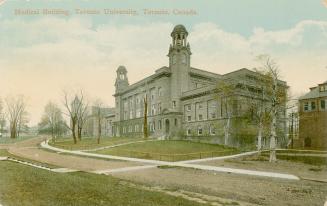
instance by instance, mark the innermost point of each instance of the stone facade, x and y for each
(313, 118)
(182, 101)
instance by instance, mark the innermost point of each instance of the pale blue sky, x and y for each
(42, 55)
(240, 16)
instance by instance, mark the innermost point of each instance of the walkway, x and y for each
(185, 164)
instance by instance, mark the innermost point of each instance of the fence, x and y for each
(171, 157)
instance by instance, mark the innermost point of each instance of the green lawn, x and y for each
(282, 155)
(91, 143)
(8, 140)
(169, 150)
(27, 186)
(5, 153)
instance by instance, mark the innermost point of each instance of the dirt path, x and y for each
(297, 168)
(29, 149)
(240, 188)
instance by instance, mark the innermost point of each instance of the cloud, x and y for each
(41, 57)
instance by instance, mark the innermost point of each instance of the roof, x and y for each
(179, 29)
(314, 93)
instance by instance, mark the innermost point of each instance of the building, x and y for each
(313, 118)
(183, 101)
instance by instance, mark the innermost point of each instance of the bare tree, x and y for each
(71, 106)
(22, 123)
(82, 116)
(15, 107)
(52, 118)
(2, 118)
(145, 122)
(226, 94)
(276, 96)
(99, 115)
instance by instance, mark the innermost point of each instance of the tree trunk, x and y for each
(227, 127)
(79, 133)
(74, 133)
(145, 123)
(273, 139)
(99, 130)
(259, 144)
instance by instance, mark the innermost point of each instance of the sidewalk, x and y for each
(185, 164)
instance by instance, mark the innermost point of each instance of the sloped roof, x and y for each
(314, 93)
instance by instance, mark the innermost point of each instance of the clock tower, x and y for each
(179, 64)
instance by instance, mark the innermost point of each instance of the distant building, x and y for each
(183, 101)
(313, 118)
(92, 123)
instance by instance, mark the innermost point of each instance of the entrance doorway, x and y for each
(167, 127)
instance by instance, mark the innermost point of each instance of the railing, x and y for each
(171, 157)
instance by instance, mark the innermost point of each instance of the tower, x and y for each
(121, 79)
(179, 63)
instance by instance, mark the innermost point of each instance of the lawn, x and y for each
(91, 143)
(169, 150)
(5, 153)
(8, 140)
(291, 156)
(27, 186)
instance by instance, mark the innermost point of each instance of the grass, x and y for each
(26, 186)
(311, 160)
(91, 143)
(169, 150)
(8, 140)
(5, 153)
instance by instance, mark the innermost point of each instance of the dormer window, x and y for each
(122, 76)
(323, 88)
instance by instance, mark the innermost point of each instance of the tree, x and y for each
(145, 122)
(2, 118)
(52, 121)
(82, 116)
(15, 107)
(99, 115)
(226, 94)
(276, 97)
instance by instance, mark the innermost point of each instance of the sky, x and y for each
(43, 54)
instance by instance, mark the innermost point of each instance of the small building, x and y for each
(313, 118)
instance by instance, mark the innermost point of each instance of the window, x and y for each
(213, 115)
(124, 130)
(306, 106)
(212, 130)
(200, 106)
(138, 112)
(175, 122)
(313, 105)
(131, 114)
(159, 92)
(130, 129)
(125, 115)
(152, 127)
(152, 94)
(159, 125)
(122, 76)
(174, 104)
(159, 108)
(322, 88)
(136, 128)
(189, 118)
(188, 107)
(188, 132)
(200, 117)
(200, 131)
(153, 109)
(323, 104)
